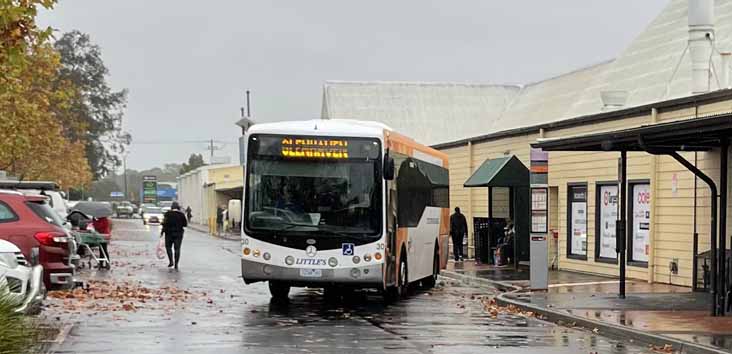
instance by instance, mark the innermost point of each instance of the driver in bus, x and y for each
(288, 202)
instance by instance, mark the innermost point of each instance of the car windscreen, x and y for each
(152, 210)
(44, 211)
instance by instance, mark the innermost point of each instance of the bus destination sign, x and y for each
(315, 148)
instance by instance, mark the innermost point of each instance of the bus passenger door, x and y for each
(391, 235)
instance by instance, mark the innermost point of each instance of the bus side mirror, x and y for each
(388, 168)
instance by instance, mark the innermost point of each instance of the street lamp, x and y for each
(124, 172)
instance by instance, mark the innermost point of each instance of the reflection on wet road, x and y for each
(221, 315)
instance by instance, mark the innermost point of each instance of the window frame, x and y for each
(570, 200)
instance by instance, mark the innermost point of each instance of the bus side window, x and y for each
(414, 193)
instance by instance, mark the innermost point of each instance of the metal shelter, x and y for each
(510, 172)
(696, 134)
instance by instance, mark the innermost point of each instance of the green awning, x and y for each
(507, 171)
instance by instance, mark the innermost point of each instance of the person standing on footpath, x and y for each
(173, 223)
(458, 230)
(219, 219)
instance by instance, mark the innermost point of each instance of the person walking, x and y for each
(173, 223)
(458, 230)
(189, 213)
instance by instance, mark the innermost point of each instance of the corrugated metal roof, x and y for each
(437, 113)
(428, 112)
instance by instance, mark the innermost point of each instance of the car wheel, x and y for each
(279, 290)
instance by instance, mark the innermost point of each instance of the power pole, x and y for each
(127, 194)
(212, 148)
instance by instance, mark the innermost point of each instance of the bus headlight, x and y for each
(367, 257)
(377, 256)
(356, 260)
(255, 253)
(246, 251)
(332, 261)
(266, 256)
(290, 260)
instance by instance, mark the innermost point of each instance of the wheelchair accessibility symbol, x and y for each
(348, 249)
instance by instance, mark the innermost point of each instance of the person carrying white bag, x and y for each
(174, 222)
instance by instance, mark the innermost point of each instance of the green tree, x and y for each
(194, 161)
(95, 115)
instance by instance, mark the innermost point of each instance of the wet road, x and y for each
(212, 311)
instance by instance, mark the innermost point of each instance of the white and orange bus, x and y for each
(342, 204)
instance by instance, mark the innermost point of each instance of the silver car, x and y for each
(19, 281)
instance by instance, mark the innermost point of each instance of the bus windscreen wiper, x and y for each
(290, 225)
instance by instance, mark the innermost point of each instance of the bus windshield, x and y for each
(302, 196)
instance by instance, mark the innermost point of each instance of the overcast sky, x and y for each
(188, 63)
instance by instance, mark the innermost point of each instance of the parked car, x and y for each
(55, 197)
(152, 215)
(125, 209)
(19, 281)
(30, 223)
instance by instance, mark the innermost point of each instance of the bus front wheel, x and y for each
(279, 290)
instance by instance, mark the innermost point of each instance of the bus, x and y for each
(342, 204)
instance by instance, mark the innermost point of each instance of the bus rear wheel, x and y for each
(403, 286)
(279, 290)
(431, 281)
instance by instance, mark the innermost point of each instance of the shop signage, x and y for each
(608, 216)
(578, 220)
(641, 221)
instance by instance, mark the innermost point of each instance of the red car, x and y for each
(31, 224)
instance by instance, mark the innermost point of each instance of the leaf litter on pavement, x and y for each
(493, 309)
(122, 296)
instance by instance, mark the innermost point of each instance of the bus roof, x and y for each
(327, 127)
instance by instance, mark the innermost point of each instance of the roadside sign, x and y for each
(116, 194)
(149, 189)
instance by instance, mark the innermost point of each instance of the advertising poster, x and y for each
(608, 216)
(578, 221)
(641, 221)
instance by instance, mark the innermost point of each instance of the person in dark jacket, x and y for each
(458, 230)
(189, 213)
(219, 219)
(173, 223)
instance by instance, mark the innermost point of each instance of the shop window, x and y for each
(577, 221)
(606, 216)
(639, 214)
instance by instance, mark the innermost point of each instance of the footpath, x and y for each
(224, 235)
(660, 315)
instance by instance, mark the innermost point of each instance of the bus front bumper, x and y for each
(357, 275)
